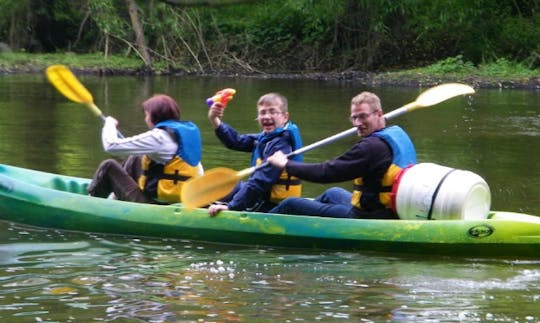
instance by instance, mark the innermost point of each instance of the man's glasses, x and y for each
(360, 116)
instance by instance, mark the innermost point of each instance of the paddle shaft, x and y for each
(100, 115)
(430, 97)
(325, 141)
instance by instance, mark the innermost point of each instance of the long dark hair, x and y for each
(161, 107)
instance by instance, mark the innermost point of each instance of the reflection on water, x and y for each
(22, 253)
(55, 276)
(521, 126)
(105, 278)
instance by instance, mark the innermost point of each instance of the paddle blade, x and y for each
(213, 185)
(66, 83)
(442, 92)
(432, 96)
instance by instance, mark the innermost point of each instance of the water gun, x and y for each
(221, 96)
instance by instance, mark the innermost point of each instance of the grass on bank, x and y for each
(450, 68)
(456, 68)
(26, 62)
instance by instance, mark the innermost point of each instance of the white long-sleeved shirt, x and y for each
(156, 143)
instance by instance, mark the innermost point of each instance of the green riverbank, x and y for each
(500, 74)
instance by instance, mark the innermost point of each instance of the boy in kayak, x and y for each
(372, 164)
(160, 160)
(268, 185)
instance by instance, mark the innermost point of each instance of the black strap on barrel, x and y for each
(434, 197)
(384, 189)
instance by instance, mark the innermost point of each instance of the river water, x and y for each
(56, 276)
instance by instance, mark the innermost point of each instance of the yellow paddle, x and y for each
(218, 182)
(67, 83)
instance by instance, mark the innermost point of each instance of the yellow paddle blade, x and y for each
(213, 185)
(441, 93)
(66, 83)
(432, 96)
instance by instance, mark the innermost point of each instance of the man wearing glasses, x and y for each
(268, 185)
(373, 164)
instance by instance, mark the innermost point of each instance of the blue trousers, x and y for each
(335, 202)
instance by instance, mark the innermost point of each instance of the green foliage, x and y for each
(479, 30)
(502, 67)
(13, 19)
(450, 65)
(105, 14)
(448, 36)
(520, 38)
(455, 68)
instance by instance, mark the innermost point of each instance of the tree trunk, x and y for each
(139, 34)
(106, 45)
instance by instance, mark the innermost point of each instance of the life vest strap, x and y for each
(173, 177)
(289, 182)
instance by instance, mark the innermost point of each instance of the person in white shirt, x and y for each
(158, 161)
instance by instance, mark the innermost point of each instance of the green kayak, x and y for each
(48, 200)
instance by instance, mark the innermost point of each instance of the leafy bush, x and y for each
(450, 65)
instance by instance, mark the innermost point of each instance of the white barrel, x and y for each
(428, 191)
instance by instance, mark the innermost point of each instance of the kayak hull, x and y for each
(49, 200)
